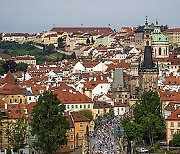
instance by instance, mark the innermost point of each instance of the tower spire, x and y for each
(157, 21)
(146, 23)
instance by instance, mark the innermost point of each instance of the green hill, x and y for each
(15, 49)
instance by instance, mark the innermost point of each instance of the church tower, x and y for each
(147, 34)
(160, 43)
(148, 72)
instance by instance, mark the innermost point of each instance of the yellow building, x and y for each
(51, 39)
(172, 124)
(10, 113)
(173, 35)
(15, 95)
(77, 133)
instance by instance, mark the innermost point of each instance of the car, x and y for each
(142, 150)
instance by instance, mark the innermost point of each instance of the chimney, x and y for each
(94, 78)
(37, 66)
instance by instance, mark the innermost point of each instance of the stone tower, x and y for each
(148, 72)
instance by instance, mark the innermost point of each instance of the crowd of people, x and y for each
(103, 140)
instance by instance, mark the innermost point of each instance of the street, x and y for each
(103, 140)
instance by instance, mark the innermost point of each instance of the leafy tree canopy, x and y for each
(148, 103)
(175, 142)
(9, 65)
(49, 123)
(148, 114)
(22, 67)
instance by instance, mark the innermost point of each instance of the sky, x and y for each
(34, 16)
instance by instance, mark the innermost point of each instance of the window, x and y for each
(122, 109)
(10, 101)
(84, 106)
(76, 106)
(172, 124)
(72, 136)
(71, 129)
(159, 51)
(71, 146)
(29, 98)
(80, 106)
(81, 134)
(20, 100)
(72, 106)
(178, 124)
(81, 124)
(67, 106)
(101, 87)
(15, 100)
(88, 105)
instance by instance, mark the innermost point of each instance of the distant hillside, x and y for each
(15, 49)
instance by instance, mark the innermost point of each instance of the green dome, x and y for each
(158, 37)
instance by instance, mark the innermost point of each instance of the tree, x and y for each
(153, 127)
(175, 142)
(87, 113)
(63, 56)
(148, 103)
(49, 48)
(17, 133)
(148, 113)
(49, 124)
(2, 71)
(9, 65)
(21, 67)
(6, 51)
(61, 43)
(132, 132)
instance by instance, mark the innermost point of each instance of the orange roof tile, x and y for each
(175, 116)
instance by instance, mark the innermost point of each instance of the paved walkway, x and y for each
(102, 140)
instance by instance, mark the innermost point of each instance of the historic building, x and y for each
(148, 72)
(160, 43)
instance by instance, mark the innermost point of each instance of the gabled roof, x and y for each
(68, 95)
(16, 90)
(9, 78)
(175, 116)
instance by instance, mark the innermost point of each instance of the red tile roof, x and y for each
(170, 96)
(175, 116)
(68, 95)
(119, 104)
(89, 30)
(172, 80)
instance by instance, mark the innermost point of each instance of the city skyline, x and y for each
(37, 15)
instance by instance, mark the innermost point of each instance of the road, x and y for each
(103, 140)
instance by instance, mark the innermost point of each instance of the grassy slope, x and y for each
(16, 49)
